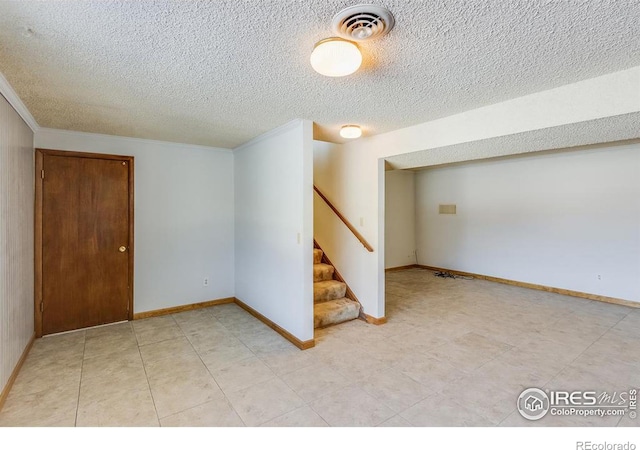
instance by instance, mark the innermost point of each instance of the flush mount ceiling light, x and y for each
(335, 57)
(350, 131)
(339, 56)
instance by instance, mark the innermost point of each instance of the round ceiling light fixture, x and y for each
(350, 131)
(335, 57)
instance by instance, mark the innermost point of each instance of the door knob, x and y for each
(122, 249)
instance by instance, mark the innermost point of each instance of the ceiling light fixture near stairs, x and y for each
(350, 131)
(340, 56)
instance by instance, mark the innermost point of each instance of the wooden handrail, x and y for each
(362, 240)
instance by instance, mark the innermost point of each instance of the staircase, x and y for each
(331, 306)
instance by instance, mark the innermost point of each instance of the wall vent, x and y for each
(447, 209)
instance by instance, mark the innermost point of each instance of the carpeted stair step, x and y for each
(322, 272)
(334, 311)
(328, 290)
(317, 256)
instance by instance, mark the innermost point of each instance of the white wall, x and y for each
(356, 182)
(184, 213)
(556, 220)
(344, 250)
(400, 218)
(16, 238)
(274, 226)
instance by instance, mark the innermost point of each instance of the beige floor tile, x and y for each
(396, 326)
(390, 352)
(356, 365)
(242, 374)
(129, 378)
(312, 382)
(47, 408)
(35, 378)
(153, 335)
(197, 324)
(264, 401)
(395, 390)
(43, 356)
(419, 341)
(575, 337)
(490, 398)
(123, 408)
(576, 378)
(215, 413)
(287, 360)
(428, 371)
(440, 411)
(114, 329)
(181, 365)
(619, 343)
(246, 328)
(225, 310)
(109, 344)
(266, 341)
(614, 370)
(153, 323)
(469, 352)
(173, 395)
(208, 340)
(164, 349)
(225, 355)
(57, 342)
(233, 320)
(453, 352)
(326, 348)
(301, 417)
(629, 325)
(195, 316)
(351, 407)
(544, 361)
(65, 420)
(101, 366)
(395, 422)
(195, 313)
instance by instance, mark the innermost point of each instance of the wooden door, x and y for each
(84, 218)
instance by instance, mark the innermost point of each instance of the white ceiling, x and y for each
(219, 73)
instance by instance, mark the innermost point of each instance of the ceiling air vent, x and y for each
(362, 22)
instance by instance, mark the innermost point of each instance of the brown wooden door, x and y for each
(86, 261)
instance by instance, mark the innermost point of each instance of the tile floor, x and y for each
(453, 353)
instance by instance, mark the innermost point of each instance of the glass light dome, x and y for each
(336, 57)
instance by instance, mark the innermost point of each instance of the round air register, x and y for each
(362, 22)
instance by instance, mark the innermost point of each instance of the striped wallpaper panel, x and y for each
(16, 238)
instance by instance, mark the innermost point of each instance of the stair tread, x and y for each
(328, 290)
(317, 255)
(322, 272)
(335, 311)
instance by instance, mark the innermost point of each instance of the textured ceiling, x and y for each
(222, 72)
(623, 127)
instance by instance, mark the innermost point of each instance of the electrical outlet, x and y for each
(361, 221)
(205, 282)
(599, 277)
